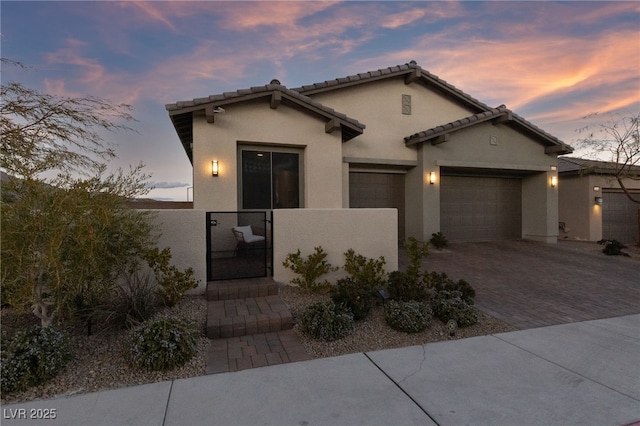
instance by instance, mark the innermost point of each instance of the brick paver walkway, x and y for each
(529, 284)
(250, 326)
(239, 317)
(252, 351)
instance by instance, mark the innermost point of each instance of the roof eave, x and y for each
(497, 116)
(411, 72)
(181, 112)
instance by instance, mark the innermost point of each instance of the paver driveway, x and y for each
(529, 284)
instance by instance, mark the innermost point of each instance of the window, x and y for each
(270, 179)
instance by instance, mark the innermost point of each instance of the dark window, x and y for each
(270, 180)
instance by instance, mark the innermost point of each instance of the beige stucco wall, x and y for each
(184, 232)
(379, 106)
(577, 207)
(472, 148)
(256, 123)
(327, 160)
(540, 208)
(369, 232)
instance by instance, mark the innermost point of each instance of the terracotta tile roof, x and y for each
(410, 70)
(560, 147)
(510, 117)
(429, 134)
(181, 113)
(260, 91)
(583, 165)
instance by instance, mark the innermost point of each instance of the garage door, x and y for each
(480, 208)
(619, 217)
(378, 190)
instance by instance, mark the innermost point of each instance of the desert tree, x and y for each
(616, 136)
(66, 230)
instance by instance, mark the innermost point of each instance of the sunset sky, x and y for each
(551, 62)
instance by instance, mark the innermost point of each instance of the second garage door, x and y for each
(619, 217)
(480, 208)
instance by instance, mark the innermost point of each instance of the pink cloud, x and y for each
(152, 12)
(403, 18)
(238, 16)
(521, 70)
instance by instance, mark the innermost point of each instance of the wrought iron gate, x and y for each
(238, 245)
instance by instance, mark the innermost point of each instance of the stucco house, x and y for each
(592, 204)
(399, 137)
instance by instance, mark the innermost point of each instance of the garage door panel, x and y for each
(619, 217)
(378, 190)
(480, 208)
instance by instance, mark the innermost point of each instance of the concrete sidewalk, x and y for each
(583, 373)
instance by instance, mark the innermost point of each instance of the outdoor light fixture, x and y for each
(432, 178)
(554, 181)
(214, 168)
(598, 201)
(596, 188)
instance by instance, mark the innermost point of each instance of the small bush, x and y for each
(310, 270)
(173, 282)
(368, 273)
(450, 305)
(163, 344)
(416, 251)
(358, 299)
(404, 286)
(135, 302)
(410, 317)
(327, 321)
(440, 281)
(438, 240)
(32, 357)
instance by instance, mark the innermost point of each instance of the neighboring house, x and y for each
(592, 204)
(397, 137)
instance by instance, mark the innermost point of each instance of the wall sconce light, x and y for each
(554, 181)
(214, 168)
(598, 201)
(596, 188)
(432, 178)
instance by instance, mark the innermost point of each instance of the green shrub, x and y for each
(450, 305)
(358, 299)
(173, 282)
(32, 357)
(438, 240)
(163, 344)
(404, 286)
(310, 269)
(368, 273)
(416, 251)
(440, 281)
(410, 317)
(327, 321)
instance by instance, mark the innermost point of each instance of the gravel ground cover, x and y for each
(101, 360)
(373, 333)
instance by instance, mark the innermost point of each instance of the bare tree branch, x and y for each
(619, 137)
(42, 132)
